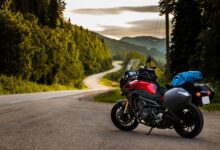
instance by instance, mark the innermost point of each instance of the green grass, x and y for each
(109, 97)
(212, 107)
(109, 83)
(216, 87)
(115, 76)
(13, 85)
(112, 79)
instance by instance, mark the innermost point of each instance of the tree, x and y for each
(186, 28)
(207, 51)
(56, 13)
(32, 51)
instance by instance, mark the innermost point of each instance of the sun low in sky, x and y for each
(117, 18)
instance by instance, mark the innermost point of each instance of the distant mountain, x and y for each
(147, 41)
(119, 48)
(117, 45)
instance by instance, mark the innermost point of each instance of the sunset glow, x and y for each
(116, 19)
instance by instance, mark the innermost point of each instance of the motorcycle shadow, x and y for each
(161, 135)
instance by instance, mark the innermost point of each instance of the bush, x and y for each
(212, 107)
(13, 85)
(109, 97)
(216, 87)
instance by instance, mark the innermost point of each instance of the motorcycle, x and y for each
(157, 107)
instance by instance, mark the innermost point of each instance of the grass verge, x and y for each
(13, 85)
(109, 97)
(212, 107)
(109, 83)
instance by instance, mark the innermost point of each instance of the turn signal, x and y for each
(198, 94)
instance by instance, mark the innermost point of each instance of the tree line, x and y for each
(37, 44)
(195, 38)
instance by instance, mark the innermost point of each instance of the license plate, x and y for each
(205, 100)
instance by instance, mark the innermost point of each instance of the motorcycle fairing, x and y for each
(143, 85)
(146, 95)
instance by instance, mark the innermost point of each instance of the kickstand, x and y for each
(149, 131)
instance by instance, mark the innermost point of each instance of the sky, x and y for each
(117, 18)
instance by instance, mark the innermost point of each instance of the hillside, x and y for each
(51, 52)
(119, 48)
(147, 41)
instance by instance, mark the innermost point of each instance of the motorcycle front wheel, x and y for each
(123, 121)
(192, 121)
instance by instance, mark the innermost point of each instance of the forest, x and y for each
(195, 38)
(37, 44)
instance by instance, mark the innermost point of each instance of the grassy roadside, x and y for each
(109, 83)
(211, 107)
(110, 80)
(12, 85)
(108, 97)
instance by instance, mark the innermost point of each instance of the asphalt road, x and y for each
(75, 122)
(92, 82)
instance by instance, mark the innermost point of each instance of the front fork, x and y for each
(126, 107)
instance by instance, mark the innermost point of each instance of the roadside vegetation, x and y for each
(13, 85)
(37, 45)
(109, 97)
(108, 82)
(212, 107)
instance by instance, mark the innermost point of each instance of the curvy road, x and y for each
(70, 120)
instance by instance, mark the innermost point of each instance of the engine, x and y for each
(148, 115)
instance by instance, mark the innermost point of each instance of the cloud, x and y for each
(116, 10)
(138, 28)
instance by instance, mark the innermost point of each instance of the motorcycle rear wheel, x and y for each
(122, 121)
(192, 121)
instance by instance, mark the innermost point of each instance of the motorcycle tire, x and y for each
(192, 121)
(125, 124)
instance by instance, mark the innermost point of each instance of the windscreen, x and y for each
(133, 63)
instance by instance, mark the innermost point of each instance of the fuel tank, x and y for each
(176, 98)
(143, 85)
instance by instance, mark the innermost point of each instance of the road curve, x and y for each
(69, 120)
(92, 82)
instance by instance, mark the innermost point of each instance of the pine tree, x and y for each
(56, 13)
(186, 28)
(207, 51)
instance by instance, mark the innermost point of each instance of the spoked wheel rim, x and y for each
(191, 121)
(124, 119)
(188, 119)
